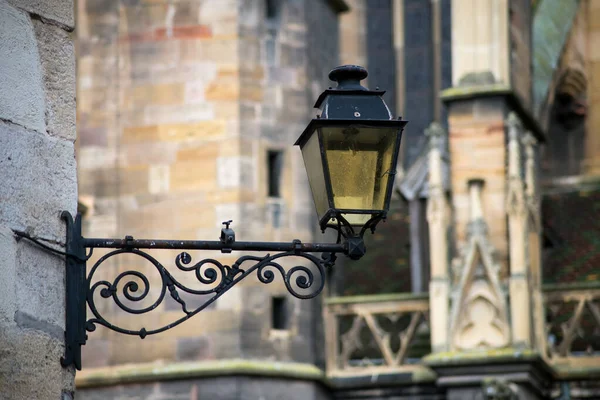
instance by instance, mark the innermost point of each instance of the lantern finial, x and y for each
(348, 77)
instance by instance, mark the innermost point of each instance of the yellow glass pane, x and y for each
(311, 154)
(359, 160)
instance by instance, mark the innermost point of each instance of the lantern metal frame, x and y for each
(351, 104)
(343, 227)
(132, 287)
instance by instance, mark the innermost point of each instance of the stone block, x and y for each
(60, 11)
(253, 93)
(22, 99)
(194, 92)
(594, 51)
(8, 273)
(96, 352)
(221, 50)
(205, 322)
(184, 390)
(220, 388)
(193, 348)
(229, 196)
(218, 10)
(174, 132)
(222, 90)
(132, 180)
(179, 114)
(159, 94)
(132, 349)
(193, 214)
(123, 392)
(194, 175)
(47, 165)
(58, 63)
(30, 366)
(141, 153)
(158, 179)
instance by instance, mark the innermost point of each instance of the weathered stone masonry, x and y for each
(38, 180)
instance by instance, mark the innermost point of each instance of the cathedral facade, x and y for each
(482, 283)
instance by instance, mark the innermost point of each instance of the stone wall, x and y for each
(182, 106)
(37, 165)
(478, 125)
(215, 388)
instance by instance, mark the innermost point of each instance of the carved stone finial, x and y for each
(529, 141)
(436, 134)
(514, 125)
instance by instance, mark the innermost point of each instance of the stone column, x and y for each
(37, 166)
(520, 303)
(437, 216)
(534, 241)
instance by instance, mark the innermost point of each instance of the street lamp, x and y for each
(350, 153)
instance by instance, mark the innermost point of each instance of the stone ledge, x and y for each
(486, 357)
(135, 373)
(567, 184)
(462, 93)
(469, 92)
(377, 298)
(376, 377)
(577, 368)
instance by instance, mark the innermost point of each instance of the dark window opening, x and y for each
(272, 9)
(274, 166)
(279, 317)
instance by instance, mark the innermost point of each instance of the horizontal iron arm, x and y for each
(295, 245)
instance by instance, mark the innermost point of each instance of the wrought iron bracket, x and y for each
(132, 287)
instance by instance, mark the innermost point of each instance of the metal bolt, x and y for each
(356, 114)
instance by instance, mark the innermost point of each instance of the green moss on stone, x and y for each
(465, 92)
(173, 371)
(482, 357)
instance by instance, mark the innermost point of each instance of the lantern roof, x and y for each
(351, 100)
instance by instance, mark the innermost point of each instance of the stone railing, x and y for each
(573, 324)
(377, 333)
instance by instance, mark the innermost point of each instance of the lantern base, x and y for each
(347, 227)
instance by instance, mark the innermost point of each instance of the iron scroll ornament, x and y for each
(132, 287)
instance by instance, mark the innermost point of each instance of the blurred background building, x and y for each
(482, 282)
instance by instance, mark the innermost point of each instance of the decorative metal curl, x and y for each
(297, 279)
(133, 287)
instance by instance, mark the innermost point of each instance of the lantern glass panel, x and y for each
(313, 161)
(359, 160)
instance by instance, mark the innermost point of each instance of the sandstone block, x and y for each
(194, 175)
(178, 114)
(47, 166)
(222, 90)
(58, 64)
(22, 96)
(158, 179)
(132, 349)
(162, 94)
